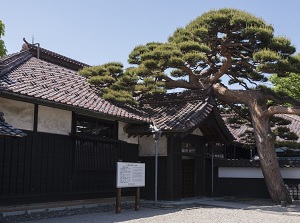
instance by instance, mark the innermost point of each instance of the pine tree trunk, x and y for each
(267, 155)
(263, 138)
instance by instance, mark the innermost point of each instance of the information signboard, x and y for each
(130, 174)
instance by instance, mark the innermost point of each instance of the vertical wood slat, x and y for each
(6, 165)
(33, 163)
(15, 159)
(59, 168)
(20, 174)
(39, 165)
(28, 147)
(2, 152)
(42, 164)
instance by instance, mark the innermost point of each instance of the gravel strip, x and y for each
(149, 213)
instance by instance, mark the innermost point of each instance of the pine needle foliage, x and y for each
(3, 50)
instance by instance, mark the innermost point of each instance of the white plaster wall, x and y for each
(147, 146)
(124, 136)
(18, 114)
(197, 132)
(53, 120)
(232, 172)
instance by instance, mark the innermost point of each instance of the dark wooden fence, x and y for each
(293, 187)
(44, 167)
(252, 188)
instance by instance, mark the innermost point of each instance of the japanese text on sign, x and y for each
(130, 174)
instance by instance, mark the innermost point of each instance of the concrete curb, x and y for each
(109, 205)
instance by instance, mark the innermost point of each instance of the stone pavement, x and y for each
(66, 208)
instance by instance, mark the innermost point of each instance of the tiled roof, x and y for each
(55, 58)
(8, 130)
(53, 78)
(294, 126)
(24, 74)
(239, 129)
(11, 61)
(236, 130)
(178, 112)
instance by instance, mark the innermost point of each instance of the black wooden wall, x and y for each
(237, 187)
(148, 192)
(252, 188)
(42, 167)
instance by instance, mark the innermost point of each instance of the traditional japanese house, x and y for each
(74, 137)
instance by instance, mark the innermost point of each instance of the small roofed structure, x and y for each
(8, 130)
(238, 130)
(181, 114)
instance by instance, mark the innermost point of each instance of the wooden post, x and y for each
(137, 199)
(118, 201)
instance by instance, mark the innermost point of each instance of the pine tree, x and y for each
(224, 43)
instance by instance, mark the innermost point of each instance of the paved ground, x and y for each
(192, 210)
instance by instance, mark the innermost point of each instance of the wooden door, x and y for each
(188, 179)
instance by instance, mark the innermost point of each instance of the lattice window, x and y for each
(188, 147)
(294, 189)
(86, 126)
(93, 155)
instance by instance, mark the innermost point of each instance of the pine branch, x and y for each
(281, 110)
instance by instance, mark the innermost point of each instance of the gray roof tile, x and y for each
(177, 112)
(238, 130)
(8, 130)
(54, 78)
(44, 80)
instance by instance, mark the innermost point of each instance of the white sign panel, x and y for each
(130, 174)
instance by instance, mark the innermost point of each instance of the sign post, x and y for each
(118, 201)
(129, 175)
(137, 199)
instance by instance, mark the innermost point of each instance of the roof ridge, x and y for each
(178, 97)
(292, 116)
(13, 60)
(55, 58)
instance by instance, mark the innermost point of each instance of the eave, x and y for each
(88, 112)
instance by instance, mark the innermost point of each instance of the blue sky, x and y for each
(100, 31)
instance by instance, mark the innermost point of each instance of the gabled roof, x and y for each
(237, 130)
(179, 113)
(24, 76)
(294, 126)
(53, 80)
(8, 130)
(52, 57)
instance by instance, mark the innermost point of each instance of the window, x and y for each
(96, 128)
(95, 143)
(95, 155)
(188, 147)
